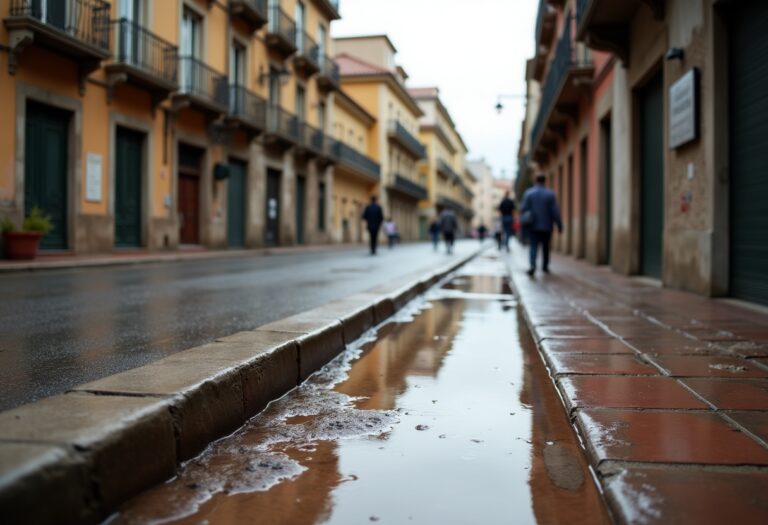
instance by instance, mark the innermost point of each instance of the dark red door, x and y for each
(189, 194)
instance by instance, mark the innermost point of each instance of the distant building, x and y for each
(651, 126)
(448, 184)
(370, 77)
(489, 191)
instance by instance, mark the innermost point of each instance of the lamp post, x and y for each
(500, 107)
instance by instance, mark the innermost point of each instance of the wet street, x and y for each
(61, 328)
(446, 414)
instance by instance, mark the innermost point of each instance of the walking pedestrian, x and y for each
(482, 232)
(448, 225)
(434, 232)
(373, 216)
(539, 213)
(498, 234)
(507, 211)
(390, 228)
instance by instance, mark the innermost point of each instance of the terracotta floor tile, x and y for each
(626, 392)
(663, 496)
(755, 422)
(567, 363)
(585, 330)
(674, 345)
(667, 437)
(732, 394)
(746, 349)
(586, 346)
(647, 331)
(708, 366)
(579, 320)
(761, 360)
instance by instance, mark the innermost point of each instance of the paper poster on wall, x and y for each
(93, 177)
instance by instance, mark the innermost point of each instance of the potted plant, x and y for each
(22, 245)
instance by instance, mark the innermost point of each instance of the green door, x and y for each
(748, 91)
(651, 176)
(301, 187)
(236, 205)
(45, 169)
(128, 162)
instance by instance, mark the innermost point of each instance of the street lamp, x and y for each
(500, 107)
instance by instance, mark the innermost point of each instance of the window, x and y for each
(321, 206)
(300, 28)
(274, 88)
(321, 116)
(301, 102)
(189, 51)
(237, 64)
(320, 41)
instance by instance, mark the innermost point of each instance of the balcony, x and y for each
(247, 110)
(604, 24)
(328, 77)
(252, 12)
(444, 169)
(354, 161)
(546, 25)
(570, 74)
(307, 58)
(282, 128)
(78, 29)
(143, 59)
(201, 87)
(281, 32)
(311, 141)
(330, 8)
(408, 188)
(399, 134)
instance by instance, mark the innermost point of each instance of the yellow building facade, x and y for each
(370, 77)
(356, 175)
(449, 183)
(147, 124)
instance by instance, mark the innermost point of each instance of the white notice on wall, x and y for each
(93, 178)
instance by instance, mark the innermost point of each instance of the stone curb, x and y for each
(87, 451)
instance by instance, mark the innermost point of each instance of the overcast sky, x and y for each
(473, 50)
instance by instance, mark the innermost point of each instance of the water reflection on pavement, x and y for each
(445, 415)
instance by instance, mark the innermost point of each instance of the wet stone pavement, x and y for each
(446, 414)
(668, 390)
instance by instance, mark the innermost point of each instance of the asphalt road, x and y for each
(61, 328)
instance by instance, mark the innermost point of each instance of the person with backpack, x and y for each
(373, 216)
(448, 225)
(539, 213)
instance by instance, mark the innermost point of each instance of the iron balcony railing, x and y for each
(143, 50)
(405, 137)
(247, 106)
(411, 188)
(444, 167)
(84, 20)
(280, 122)
(351, 157)
(200, 80)
(567, 56)
(312, 138)
(257, 7)
(330, 69)
(308, 48)
(281, 24)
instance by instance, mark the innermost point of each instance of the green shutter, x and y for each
(236, 205)
(652, 176)
(749, 150)
(128, 170)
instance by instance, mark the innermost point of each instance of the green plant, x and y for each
(7, 225)
(37, 222)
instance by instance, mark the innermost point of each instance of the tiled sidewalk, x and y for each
(668, 391)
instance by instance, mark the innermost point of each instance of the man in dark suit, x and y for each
(373, 216)
(540, 214)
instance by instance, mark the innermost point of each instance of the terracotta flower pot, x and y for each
(21, 245)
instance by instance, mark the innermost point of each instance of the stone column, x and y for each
(257, 196)
(288, 200)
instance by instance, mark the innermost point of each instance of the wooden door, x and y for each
(651, 176)
(236, 198)
(189, 194)
(129, 146)
(46, 162)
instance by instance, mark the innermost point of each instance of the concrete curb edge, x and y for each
(92, 448)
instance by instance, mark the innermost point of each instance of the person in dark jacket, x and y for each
(507, 211)
(449, 225)
(373, 216)
(540, 214)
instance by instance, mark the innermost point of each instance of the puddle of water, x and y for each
(447, 416)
